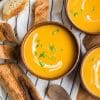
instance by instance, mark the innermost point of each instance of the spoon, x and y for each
(56, 92)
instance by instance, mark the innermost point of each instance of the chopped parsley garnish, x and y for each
(38, 41)
(52, 48)
(93, 8)
(81, 10)
(55, 32)
(43, 54)
(42, 64)
(37, 45)
(75, 13)
(35, 53)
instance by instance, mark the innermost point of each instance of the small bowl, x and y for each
(66, 11)
(58, 24)
(82, 80)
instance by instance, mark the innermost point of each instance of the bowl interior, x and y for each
(75, 14)
(84, 61)
(70, 33)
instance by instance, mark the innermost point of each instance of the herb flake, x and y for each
(38, 41)
(43, 54)
(93, 8)
(52, 48)
(75, 14)
(55, 32)
(42, 64)
(35, 53)
(37, 45)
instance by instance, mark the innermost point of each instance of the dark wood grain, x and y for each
(84, 95)
(89, 42)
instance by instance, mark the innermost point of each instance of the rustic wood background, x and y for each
(22, 23)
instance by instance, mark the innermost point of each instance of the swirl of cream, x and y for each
(88, 17)
(47, 66)
(96, 69)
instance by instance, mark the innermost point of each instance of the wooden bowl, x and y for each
(58, 24)
(82, 80)
(67, 15)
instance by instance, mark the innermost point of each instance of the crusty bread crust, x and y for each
(7, 33)
(6, 52)
(41, 11)
(16, 11)
(12, 78)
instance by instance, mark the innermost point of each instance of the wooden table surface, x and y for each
(22, 23)
(83, 95)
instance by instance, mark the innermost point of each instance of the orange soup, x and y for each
(85, 14)
(91, 72)
(49, 51)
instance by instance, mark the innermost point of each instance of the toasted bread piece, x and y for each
(13, 7)
(10, 84)
(12, 78)
(8, 52)
(41, 11)
(17, 84)
(8, 48)
(25, 82)
(7, 33)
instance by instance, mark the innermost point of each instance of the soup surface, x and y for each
(85, 14)
(91, 72)
(50, 51)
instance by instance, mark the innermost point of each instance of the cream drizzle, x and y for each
(88, 17)
(47, 66)
(83, 4)
(96, 69)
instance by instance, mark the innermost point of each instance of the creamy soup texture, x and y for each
(50, 51)
(91, 72)
(85, 14)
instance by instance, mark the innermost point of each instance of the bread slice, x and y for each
(7, 33)
(41, 11)
(8, 42)
(8, 52)
(13, 7)
(17, 84)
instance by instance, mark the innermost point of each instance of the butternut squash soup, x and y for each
(90, 72)
(85, 14)
(49, 51)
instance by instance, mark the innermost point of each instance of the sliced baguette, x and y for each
(7, 33)
(13, 7)
(17, 84)
(10, 84)
(7, 52)
(8, 49)
(41, 11)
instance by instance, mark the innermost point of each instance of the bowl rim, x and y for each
(67, 15)
(50, 23)
(81, 68)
